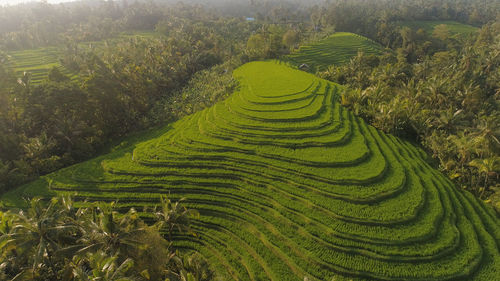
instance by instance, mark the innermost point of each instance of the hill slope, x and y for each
(289, 184)
(337, 49)
(38, 62)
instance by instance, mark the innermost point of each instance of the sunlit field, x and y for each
(290, 184)
(211, 140)
(337, 49)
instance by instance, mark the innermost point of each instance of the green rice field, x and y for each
(40, 61)
(289, 184)
(337, 49)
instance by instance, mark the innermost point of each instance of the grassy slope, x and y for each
(40, 61)
(289, 184)
(337, 49)
(454, 27)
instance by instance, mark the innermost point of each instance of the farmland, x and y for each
(289, 184)
(337, 49)
(40, 61)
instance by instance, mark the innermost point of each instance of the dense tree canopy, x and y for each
(58, 241)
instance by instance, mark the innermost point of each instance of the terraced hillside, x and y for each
(336, 49)
(38, 62)
(290, 184)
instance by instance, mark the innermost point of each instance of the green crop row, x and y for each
(337, 49)
(289, 184)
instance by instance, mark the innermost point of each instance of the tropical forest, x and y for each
(252, 140)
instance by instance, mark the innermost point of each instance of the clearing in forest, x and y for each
(38, 62)
(290, 184)
(336, 49)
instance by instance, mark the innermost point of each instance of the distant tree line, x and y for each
(380, 19)
(37, 24)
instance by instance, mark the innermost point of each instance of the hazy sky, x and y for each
(4, 2)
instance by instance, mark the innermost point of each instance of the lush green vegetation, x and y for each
(290, 178)
(453, 27)
(443, 94)
(37, 62)
(131, 84)
(381, 20)
(48, 120)
(289, 185)
(56, 240)
(337, 49)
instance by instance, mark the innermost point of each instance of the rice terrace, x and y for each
(37, 62)
(291, 184)
(337, 49)
(258, 140)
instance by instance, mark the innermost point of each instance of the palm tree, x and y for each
(102, 267)
(435, 91)
(6, 222)
(489, 167)
(488, 133)
(464, 147)
(193, 267)
(37, 235)
(196, 266)
(55, 240)
(110, 234)
(7, 261)
(175, 216)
